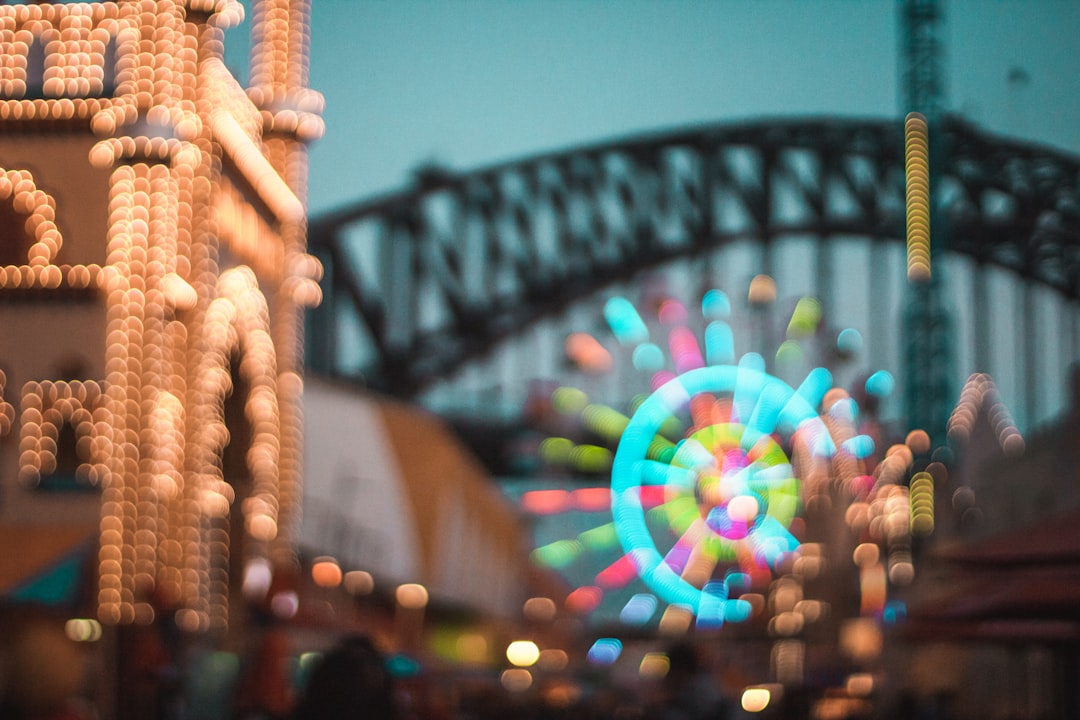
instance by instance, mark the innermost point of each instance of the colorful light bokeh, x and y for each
(712, 473)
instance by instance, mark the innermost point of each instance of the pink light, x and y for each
(672, 312)
(545, 502)
(595, 499)
(617, 574)
(684, 350)
(652, 496)
(661, 378)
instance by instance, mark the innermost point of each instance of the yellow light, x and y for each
(523, 653)
(654, 665)
(917, 187)
(755, 699)
(922, 503)
(83, 630)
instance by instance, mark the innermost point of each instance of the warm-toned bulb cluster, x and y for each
(143, 350)
(223, 13)
(38, 109)
(45, 408)
(113, 150)
(150, 82)
(294, 112)
(253, 165)
(980, 394)
(890, 524)
(76, 39)
(14, 48)
(238, 319)
(917, 192)
(302, 283)
(7, 410)
(163, 60)
(279, 55)
(74, 57)
(18, 188)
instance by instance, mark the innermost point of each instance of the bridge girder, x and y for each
(437, 275)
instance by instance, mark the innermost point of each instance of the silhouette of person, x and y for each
(350, 681)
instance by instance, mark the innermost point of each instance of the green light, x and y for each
(600, 538)
(590, 458)
(556, 450)
(569, 400)
(558, 554)
(606, 422)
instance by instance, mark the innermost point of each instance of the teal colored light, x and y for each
(605, 651)
(738, 611)
(747, 381)
(860, 446)
(402, 666)
(895, 610)
(623, 319)
(849, 341)
(648, 357)
(715, 304)
(880, 384)
(712, 605)
(719, 344)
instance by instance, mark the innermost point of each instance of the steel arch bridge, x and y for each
(422, 282)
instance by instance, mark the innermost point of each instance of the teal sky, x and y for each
(471, 82)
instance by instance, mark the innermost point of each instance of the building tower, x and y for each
(928, 354)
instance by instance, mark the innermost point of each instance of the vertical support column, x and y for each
(1028, 327)
(980, 305)
(279, 79)
(880, 333)
(145, 457)
(823, 290)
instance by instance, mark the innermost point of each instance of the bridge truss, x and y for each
(423, 283)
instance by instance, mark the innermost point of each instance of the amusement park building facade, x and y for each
(153, 272)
